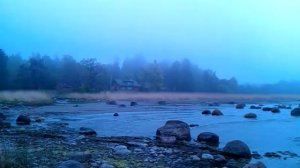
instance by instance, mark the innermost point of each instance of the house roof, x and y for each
(127, 83)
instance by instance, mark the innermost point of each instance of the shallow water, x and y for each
(268, 133)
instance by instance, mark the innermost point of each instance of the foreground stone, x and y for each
(250, 115)
(209, 138)
(295, 112)
(255, 165)
(173, 131)
(237, 149)
(121, 150)
(70, 164)
(23, 120)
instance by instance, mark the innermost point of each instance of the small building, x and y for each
(125, 85)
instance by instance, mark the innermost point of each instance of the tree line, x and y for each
(41, 72)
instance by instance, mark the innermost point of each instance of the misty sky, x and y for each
(258, 41)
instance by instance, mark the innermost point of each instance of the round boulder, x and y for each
(250, 115)
(173, 131)
(209, 138)
(216, 112)
(206, 112)
(237, 149)
(295, 112)
(240, 106)
(23, 120)
(255, 165)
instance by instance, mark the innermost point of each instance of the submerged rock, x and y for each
(116, 115)
(133, 103)
(240, 106)
(255, 107)
(162, 102)
(23, 120)
(255, 165)
(267, 108)
(209, 138)
(173, 131)
(250, 115)
(216, 112)
(295, 112)
(275, 110)
(206, 112)
(87, 131)
(70, 164)
(237, 149)
(111, 102)
(194, 125)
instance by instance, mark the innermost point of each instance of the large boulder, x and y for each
(250, 115)
(240, 106)
(209, 138)
(70, 164)
(255, 165)
(237, 149)
(295, 112)
(23, 120)
(216, 112)
(173, 131)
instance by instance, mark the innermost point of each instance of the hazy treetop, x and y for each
(254, 40)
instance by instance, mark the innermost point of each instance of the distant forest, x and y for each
(89, 75)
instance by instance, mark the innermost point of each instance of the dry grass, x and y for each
(140, 96)
(25, 97)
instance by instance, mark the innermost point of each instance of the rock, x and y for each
(87, 131)
(194, 125)
(295, 112)
(111, 102)
(4, 124)
(214, 104)
(266, 108)
(116, 115)
(121, 150)
(122, 105)
(240, 106)
(256, 155)
(162, 102)
(255, 107)
(209, 138)
(237, 149)
(195, 158)
(250, 115)
(220, 159)
(75, 105)
(106, 165)
(133, 103)
(207, 156)
(206, 112)
(173, 131)
(275, 110)
(70, 164)
(38, 119)
(81, 156)
(255, 165)
(216, 112)
(272, 155)
(2, 116)
(23, 120)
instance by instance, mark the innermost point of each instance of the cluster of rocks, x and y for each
(215, 112)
